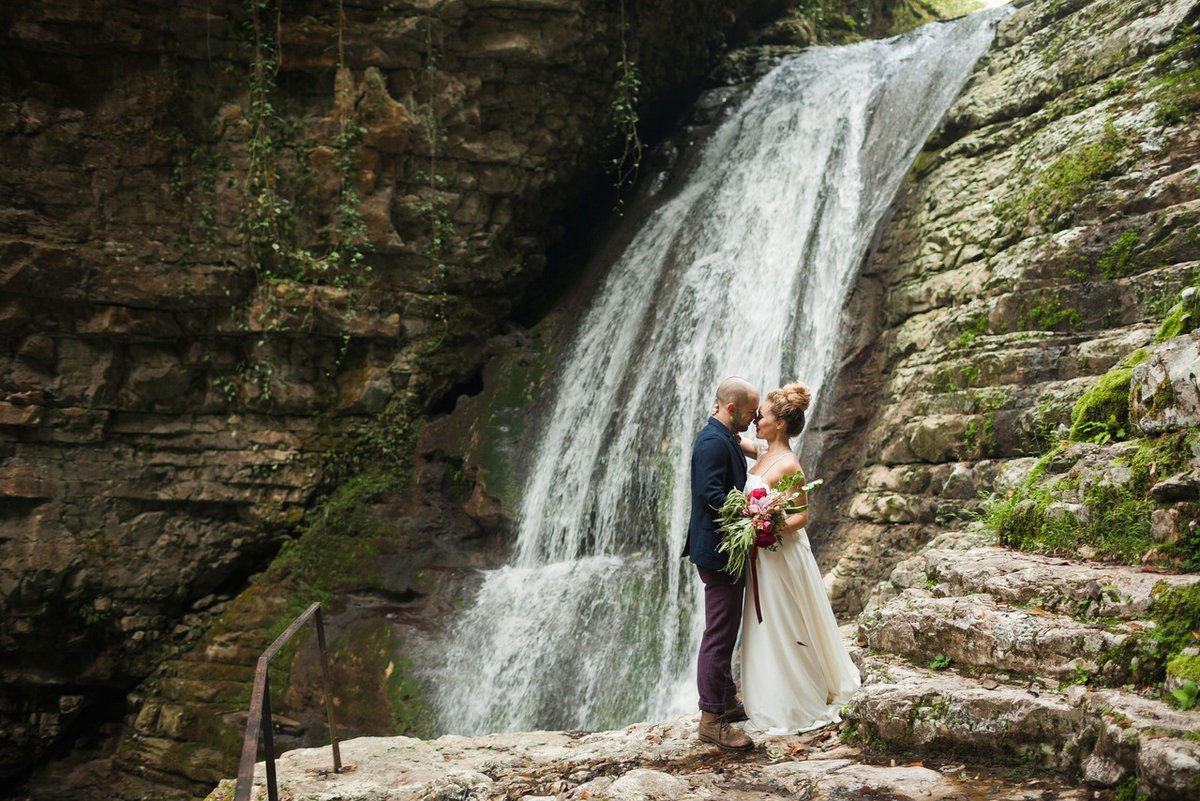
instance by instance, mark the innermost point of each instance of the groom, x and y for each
(718, 465)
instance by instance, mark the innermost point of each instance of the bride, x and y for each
(796, 672)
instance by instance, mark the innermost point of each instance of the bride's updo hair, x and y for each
(788, 403)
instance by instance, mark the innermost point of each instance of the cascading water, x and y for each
(744, 271)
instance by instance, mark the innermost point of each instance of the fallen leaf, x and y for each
(1036, 611)
(989, 684)
(915, 765)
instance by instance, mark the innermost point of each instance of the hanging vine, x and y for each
(626, 88)
(275, 203)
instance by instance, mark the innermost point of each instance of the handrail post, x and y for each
(258, 721)
(337, 753)
(268, 736)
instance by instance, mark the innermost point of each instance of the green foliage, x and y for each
(383, 447)
(1184, 667)
(1102, 413)
(1115, 262)
(940, 662)
(624, 115)
(1176, 610)
(977, 327)
(1177, 96)
(1113, 87)
(1039, 515)
(980, 432)
(1185, 695)
(276, 215)
(1127, 791)
(1081, 677)
(1050, 315)
(1068, 179)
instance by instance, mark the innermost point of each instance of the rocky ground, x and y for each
(1027, 659)
(645, 762)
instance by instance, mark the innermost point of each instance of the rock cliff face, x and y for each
(175, 388)
(231, 232)
(1025, 353)
(1047, 230)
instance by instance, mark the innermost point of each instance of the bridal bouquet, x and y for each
(749, 520)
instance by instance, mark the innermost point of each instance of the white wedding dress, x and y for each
(788, 687)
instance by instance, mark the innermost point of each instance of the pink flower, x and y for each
(756, 506)
(767, 526)
(758, 492)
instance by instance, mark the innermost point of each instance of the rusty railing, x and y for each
(259, 721)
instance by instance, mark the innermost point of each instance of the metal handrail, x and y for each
(259, 721)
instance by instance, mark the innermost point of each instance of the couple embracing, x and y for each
(796, 672)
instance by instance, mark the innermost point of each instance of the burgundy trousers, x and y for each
(722, 620)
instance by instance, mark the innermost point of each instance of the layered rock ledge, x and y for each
(644, 762)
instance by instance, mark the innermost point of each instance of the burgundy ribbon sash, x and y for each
(754, 581)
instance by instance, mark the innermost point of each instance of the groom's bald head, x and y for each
(737, 391)
(736, 401)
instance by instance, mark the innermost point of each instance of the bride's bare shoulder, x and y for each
(785, 467)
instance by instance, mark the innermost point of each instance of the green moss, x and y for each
(1176, 611)
(1116, 262)
(1050, 314)
(411, 711)
(977, 327)
(1039, 515)
(1103, 408)
(1184, 667)
(1069, 178)
(335, 551)
(1178, 97)
(1182, 318)
(1139, 356)
(863, 735)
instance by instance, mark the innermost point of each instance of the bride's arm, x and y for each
(800, 519)
(749, 447)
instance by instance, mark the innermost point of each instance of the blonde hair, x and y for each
(789, 403)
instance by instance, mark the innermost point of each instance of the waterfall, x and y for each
(743, 271)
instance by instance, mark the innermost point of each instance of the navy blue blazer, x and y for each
(718, 465)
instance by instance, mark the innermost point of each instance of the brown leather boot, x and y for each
(734, 711)
(716, 730)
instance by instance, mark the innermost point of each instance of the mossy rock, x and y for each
(1183, 317)
(1103, 409)
(1176, 610)
(1184, 667)
(1092, 501)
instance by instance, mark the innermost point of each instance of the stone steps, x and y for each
(911, 708)
(1049, 583)
(977, 631)
(1106, 735)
